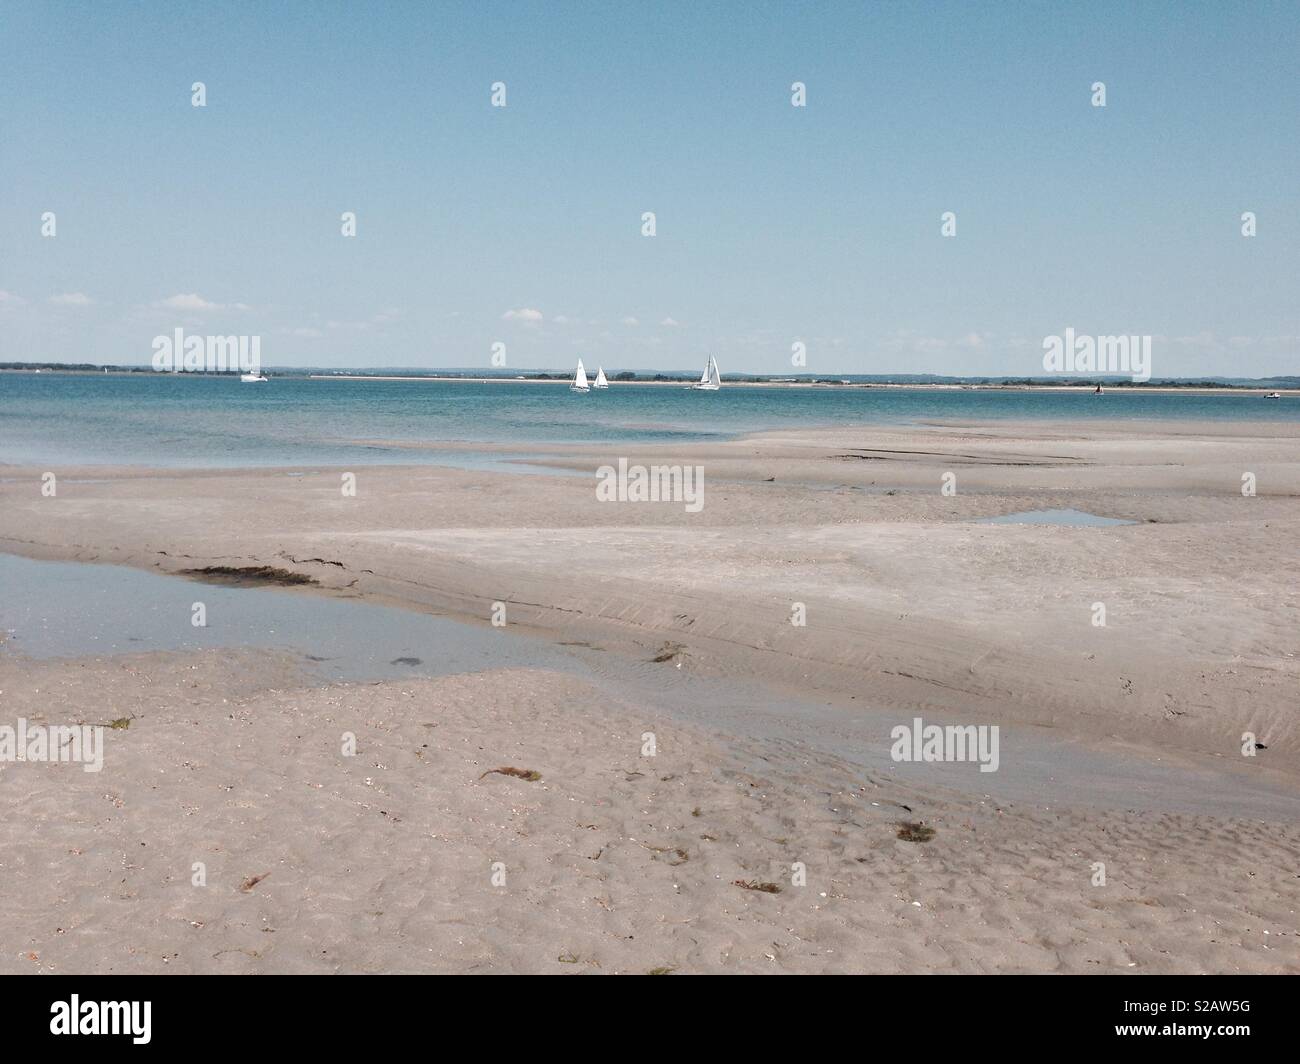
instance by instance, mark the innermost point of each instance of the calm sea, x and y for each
(181, 420)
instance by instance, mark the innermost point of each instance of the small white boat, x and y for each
(600, 381)
(252, 378)
(580, 380)
(710, 380)
(1273, 395)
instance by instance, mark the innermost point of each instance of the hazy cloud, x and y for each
(529, 314)
(188, 301)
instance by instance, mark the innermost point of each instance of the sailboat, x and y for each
(600, 381)
(710, 380)
(252, 378)
(580, 380)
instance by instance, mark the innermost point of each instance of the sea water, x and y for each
(180, 420)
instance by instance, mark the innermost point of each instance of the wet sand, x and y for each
(914, 607)
(910, 600)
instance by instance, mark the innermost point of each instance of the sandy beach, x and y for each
(405, 857)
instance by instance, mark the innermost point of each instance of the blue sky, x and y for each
(775, 224)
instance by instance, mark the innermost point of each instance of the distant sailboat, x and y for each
(252, 378)
(1273, 395)
(600, 381)
(710, 380)
(580, 380)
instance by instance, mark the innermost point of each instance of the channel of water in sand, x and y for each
(74, 609)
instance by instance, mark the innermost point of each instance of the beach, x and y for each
(841, 581)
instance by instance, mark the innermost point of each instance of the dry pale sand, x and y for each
(910, 602)
(612, 862)
(383, 861)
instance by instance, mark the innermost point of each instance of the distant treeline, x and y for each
(903, 379)
(626, 375)
(88, 367)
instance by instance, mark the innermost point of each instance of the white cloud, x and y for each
(529, 314)
(561, 319)
(670, 322)
(305, 331)
(9, 299)
(630, 321)
(72, 299)
(192, 301)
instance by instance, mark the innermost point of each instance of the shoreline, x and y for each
(770, 830)
(847, 526)
(1111, 388)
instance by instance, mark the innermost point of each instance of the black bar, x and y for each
(228, 1014)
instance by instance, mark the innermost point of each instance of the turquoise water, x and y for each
(70, 609)
(1070, 518)
(180, 420)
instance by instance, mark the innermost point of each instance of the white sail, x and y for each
(600, 381)
(580, 380)
(710, 380)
